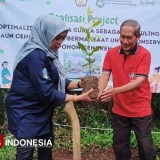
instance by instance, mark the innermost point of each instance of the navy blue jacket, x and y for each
(33, 96)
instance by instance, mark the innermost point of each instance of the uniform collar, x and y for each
(133, 51)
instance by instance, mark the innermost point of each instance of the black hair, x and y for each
(132, 23)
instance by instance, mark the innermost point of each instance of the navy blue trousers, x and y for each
(44, 153)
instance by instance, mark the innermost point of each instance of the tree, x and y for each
(95, 22)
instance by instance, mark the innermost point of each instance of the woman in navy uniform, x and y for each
(38, 86)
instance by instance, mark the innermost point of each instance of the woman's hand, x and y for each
(84, 97)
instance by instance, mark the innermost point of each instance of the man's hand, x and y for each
(108, 94)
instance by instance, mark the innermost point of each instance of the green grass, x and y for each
(8, 153)
(90, 117)
(89, 140)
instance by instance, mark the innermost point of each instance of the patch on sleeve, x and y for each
(45, 73)
(132, 76)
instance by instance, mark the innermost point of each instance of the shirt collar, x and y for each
(133, 51)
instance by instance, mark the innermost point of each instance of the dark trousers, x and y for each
(122, 127)
(44, 153)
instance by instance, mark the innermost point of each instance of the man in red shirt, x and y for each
(129, 64)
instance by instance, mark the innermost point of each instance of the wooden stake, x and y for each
(70, 110)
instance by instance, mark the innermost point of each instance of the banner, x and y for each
(18, 16)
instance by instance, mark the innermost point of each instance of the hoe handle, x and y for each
(70, 110)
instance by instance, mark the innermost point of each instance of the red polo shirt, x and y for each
(135, 103)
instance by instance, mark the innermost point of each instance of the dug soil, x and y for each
(96, 154)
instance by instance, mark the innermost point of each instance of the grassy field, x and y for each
(96, 130)
(95, 122)
(89, 139)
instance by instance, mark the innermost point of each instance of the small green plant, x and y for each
(90, 38)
